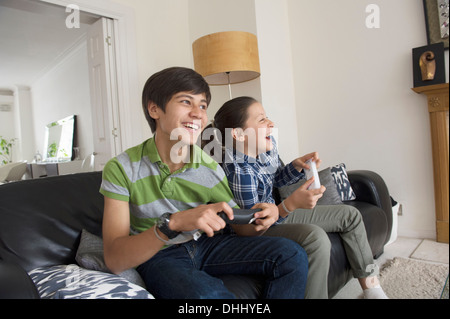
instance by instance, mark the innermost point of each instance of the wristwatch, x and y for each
(163, 226)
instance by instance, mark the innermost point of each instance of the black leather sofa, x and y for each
(41, 221)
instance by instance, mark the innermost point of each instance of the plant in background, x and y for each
(52, 150)
(6, 146)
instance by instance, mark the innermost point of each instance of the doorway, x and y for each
(62, 63)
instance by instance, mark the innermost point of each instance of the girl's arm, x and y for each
(301, 198)
(293, 172)
(287, 175)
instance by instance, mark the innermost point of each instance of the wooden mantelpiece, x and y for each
(438, 108)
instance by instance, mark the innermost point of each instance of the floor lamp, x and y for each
(227, 58)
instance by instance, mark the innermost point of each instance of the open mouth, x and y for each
(191, 126)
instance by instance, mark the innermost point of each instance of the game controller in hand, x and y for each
(241, 216)
(312, 172)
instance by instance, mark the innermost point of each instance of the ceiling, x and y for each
(33, 37)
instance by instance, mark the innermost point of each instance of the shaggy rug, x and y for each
(413, 279)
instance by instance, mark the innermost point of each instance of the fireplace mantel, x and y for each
(438, 110)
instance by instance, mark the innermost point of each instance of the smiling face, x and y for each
(183, 119)
(259, 123)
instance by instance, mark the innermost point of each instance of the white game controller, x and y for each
(312, 173)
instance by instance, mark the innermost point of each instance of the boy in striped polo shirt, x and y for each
(162, 200)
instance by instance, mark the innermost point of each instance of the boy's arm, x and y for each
(203, 217)
(122, 251)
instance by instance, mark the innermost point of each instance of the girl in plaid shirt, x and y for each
(253, 167)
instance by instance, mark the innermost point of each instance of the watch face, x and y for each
(163, 226)
(163, 220)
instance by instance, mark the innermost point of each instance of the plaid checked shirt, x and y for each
(252, 180)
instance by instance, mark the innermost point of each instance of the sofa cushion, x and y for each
(90, 256)
(74, 282)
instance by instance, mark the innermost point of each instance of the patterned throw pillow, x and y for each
(343, 186)
(74, 282)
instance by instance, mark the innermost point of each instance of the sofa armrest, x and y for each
(370, 187)
(15, 282)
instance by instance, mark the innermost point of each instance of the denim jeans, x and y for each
(187, 271)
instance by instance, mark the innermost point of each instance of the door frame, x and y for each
(126, 64)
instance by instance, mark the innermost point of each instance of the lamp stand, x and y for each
(229, 85)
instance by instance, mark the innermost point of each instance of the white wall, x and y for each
(354, 97)
(162, 36)
(277, 80)
(61, 92)
(349, 93)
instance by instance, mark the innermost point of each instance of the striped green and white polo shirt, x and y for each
(139, 177)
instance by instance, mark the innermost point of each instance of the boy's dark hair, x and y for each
(161, 86)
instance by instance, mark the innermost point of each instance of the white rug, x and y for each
(403, 278)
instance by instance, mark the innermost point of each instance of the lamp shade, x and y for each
(235, 52)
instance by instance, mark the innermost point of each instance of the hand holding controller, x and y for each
(241, 216)
(312, 172)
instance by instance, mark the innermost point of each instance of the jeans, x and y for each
(187, 271)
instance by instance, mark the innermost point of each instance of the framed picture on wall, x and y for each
(437, 21)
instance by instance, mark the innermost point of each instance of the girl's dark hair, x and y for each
(161, 87)
(233, 114)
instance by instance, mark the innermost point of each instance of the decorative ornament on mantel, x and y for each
(429, 65)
